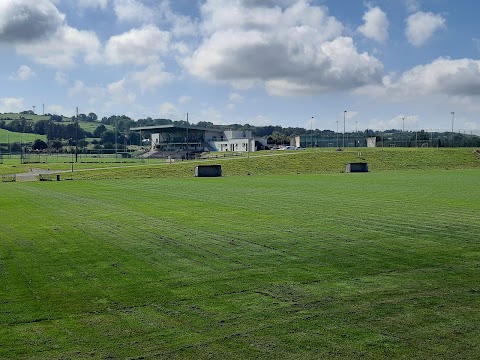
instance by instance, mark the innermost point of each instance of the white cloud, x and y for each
(292, 50)
(184, 99)
(101, 4)
(181, 25)
(95, 94)
(412, 6)
(235, 97)
(72, 42)
(132, 11)
(118, 94)
(169, 111)
(61, 78)
(23, 73)
(443, 76)
(38, 30)
(59, 110)
(421, 26)
(152, 77)
(12, 104)
(375, 25)
(411, 123)
(471, 125)
(28, 21)
(213, 115)
(137, 46)
(260, 120)
(443, 80)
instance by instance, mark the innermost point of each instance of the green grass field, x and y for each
(10, 137)
(299, 266)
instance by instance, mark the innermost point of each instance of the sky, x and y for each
(322, 64)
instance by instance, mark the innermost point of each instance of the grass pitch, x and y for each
(296, 266)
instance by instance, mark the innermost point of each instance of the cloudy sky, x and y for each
(262, 62)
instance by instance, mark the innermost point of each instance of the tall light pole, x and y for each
(344, 113)
(356, 133)
(116, 145)
(311, 132)
(337, 134)
(76, 136)
(453, 118)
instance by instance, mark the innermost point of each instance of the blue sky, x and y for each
(388, 63)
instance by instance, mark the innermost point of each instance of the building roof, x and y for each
(174, 127)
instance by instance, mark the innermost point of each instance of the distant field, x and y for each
(300, 266)
(12, 137)
(86, 125)
(26, 116)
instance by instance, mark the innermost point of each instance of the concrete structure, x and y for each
(171, 138)
(371, 142)
(208, 170)
(357, 167)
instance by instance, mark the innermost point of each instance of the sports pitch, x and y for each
(302, 266)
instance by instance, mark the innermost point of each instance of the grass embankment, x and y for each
(263, 163)
(305, 162)
(379, 265)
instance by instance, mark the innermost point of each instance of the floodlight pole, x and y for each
(186, 140)
(311, 132)
(76, 137)
(356, 133)
(453, 118)
(116, 145)
(337, 133)
(344, 113)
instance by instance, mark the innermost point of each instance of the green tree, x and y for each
(39, 144)
(56, 144)
(56, 118)
(99, 131)
(92, 117)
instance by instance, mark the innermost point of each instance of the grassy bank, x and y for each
(306, 162)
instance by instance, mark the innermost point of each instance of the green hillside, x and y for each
(86, 125)
(15, 137)
(14, 116)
